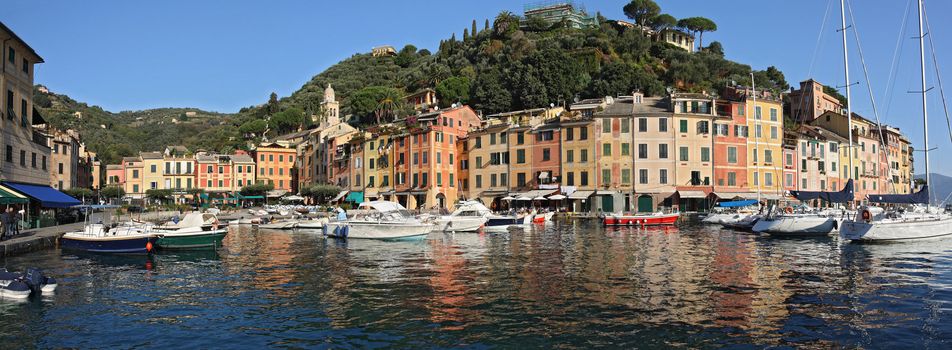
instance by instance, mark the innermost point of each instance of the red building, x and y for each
(730, 149)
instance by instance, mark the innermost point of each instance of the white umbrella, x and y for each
(539, 198)
(524, 198)
(557, 197)
(508, 198)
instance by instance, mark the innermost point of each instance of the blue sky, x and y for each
(223, 55)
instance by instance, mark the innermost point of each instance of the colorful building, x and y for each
(578, 158)
(655, 168)
(730, 149)
(489, 163)
(276, 165)
(694, 116)
(614, 156)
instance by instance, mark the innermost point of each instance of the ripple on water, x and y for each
(565, 285)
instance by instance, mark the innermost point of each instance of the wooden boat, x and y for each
(652, 219)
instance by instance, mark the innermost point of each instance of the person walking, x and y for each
(17, 216)
(5, 220)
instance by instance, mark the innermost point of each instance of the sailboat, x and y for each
(912, 216)
(808, 222)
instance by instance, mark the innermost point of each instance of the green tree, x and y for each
(256, 189)
(323, 193)
(835, 93)
(473, 31)
(287, 120)
(536, 24)
(183, 117)
(376, 103)
(79, 193)
(406, 56)
(112, 192)
(257, 127)
(160, 195)
(453, 90)
(663, 21)
(716, 48)
(698, 25)
(641, 11)
(489, 93)
(505, 24)
(273, 103)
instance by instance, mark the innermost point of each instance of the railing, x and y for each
(40, 139)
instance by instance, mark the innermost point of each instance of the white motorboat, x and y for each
(730, 212)
(800, 224)
(378, 220)
(288, 224)
(312, 224)
(469, 216)
(744, 224)
(873, 224)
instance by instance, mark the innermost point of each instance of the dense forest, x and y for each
(506, 63)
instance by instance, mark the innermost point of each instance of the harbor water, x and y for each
(569, 284)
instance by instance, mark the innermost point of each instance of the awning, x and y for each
(252, 197)
(539, 193)
(581, 194)
(557, 197)
(607, 193)
(276, 193)
(387, 193)
(493, 194)
(339, 196)
(8, 196)
(355, 196)
(543, 175)
(692, 194)
(46, 195)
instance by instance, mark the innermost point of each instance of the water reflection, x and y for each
(569, 284)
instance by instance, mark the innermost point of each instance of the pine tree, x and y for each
(486, 26)
(273, 104)
(465, 34)
(473, 31)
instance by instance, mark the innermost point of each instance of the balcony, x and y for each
(40, 139)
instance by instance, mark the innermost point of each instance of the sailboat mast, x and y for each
(849, 101)
(925, 112)
(753, 93)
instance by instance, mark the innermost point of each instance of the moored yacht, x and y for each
(911, 218)
(378, 220)
(194, 231)
(469, 216)
(806, 221)
(732, 211)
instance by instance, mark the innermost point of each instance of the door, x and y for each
(608, 204)
(645, 204)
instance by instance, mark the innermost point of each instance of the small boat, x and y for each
(653, 219)
(312, 224)
(541, 218)
(502, 223)
(34, 280)
(13, 288)
(99, 238)
(469, 216)
(804, 221)
(378, 220)
(731, 211)
(745, 224)
(195, 231)
(289, 224)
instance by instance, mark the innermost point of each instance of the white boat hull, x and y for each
(797, 225)
(897, 230)
(311, 224)
(373, 230)
(283, 225)
(460, 224)
(722, 218)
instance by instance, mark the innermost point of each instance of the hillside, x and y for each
(115, 135)
(941, 187)
(507, 64)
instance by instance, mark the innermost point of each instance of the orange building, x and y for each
(276, 165)
(730, 149)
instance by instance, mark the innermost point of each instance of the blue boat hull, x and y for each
(136, 245)
(504, 221)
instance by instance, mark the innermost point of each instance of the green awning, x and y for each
(355, 196)
(252, 197)
(10, 198)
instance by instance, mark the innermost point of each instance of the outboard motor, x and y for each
(34, 279)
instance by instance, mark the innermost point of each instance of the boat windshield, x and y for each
(375, 215)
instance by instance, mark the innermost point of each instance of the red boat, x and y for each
(641, 220)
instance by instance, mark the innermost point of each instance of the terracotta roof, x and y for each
(150, 155)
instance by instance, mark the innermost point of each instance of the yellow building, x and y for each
(764, 143)
(489, 163)
(152, 176)
(133, 185)
(694, 143)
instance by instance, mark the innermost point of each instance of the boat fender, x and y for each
(867, 216)
(148, 246)
(788, 210)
